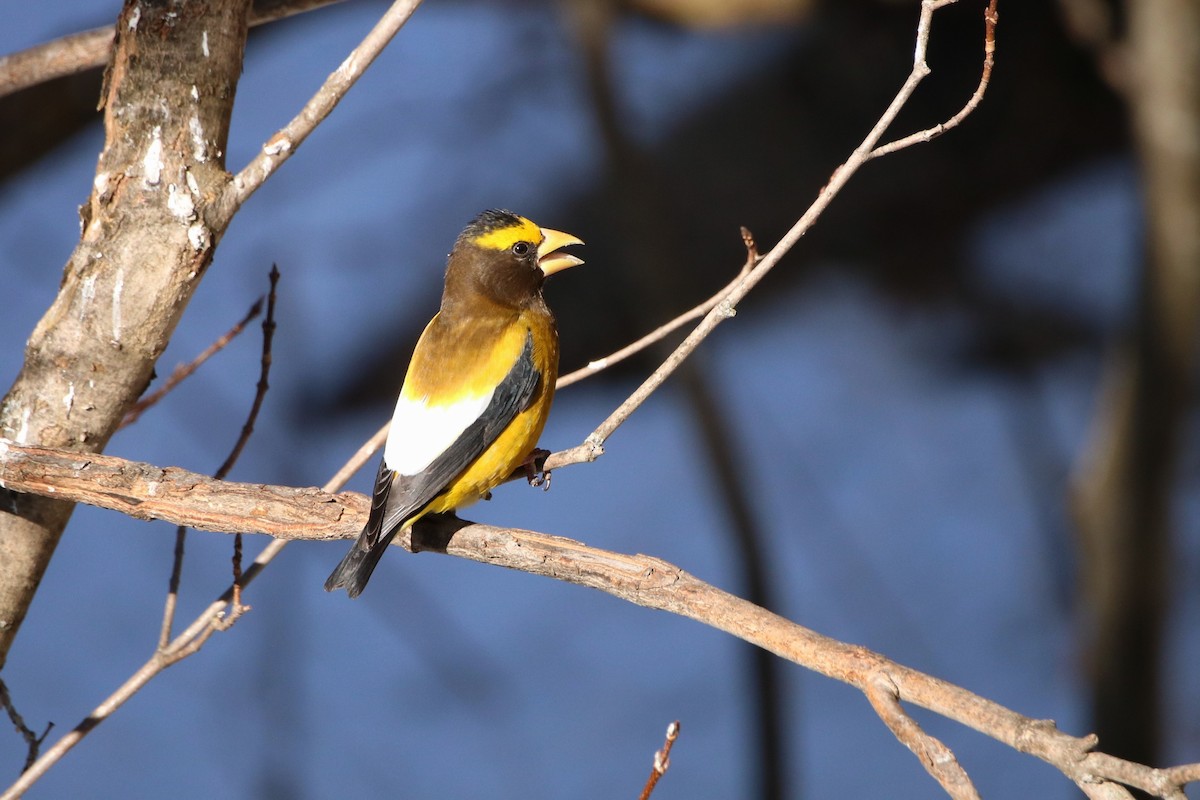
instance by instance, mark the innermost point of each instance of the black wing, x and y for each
(410, 493)
(397, 498)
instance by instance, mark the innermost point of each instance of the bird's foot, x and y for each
(535, 471)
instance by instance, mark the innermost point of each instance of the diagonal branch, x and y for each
(593, 446)
(279, 148)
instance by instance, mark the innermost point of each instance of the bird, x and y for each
(478, 387)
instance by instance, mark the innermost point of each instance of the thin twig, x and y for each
(268, 327)
(656, 335)
(32, 740)
(990, 18)
(279, 148)
(172, 601)
(662, 761)
(89, 49)
(185, 371)
(236, 608)
(260, 389)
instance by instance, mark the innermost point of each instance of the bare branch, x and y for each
(990, 18)
(260, 393)
(656, 335)
(592, 446)
(279, 148)
(938, 760)
(314, 514)
(188, 642)
(89, 49)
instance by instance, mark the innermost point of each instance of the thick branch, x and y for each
(175, 495)
(147, 238)
(187, 498)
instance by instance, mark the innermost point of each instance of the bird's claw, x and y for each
(535, 471)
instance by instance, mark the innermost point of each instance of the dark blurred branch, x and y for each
(641, 201)
(1123, 486)
(317, 515)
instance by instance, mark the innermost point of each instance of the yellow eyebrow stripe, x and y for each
(506, 237)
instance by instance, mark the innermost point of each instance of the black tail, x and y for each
(356, 568)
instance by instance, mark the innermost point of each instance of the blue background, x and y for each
(898, 504)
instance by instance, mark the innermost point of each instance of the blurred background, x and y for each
(954, 425)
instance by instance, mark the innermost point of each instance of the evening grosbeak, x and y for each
(478, 388)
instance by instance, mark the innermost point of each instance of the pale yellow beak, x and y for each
(549, 259)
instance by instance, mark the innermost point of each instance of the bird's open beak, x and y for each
(549, 259)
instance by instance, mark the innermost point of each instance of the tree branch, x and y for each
(279, 148)
(187, 498)
(89, 49)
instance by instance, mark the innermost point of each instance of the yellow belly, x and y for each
(495, 464)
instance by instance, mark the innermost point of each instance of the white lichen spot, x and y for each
(348, 67)
(69, 400)
(195, 93)
(22, 436)
(100, 184)
(50, 490)
(135, 17)
(277, 144)
(193, 186)
(199, 145)
(180, 204)
(87, 293)
(204, 43)
(199, 238)
(152, 163)
(118, 289)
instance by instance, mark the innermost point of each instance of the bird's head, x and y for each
(506, 258)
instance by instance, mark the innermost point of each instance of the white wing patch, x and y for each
(420, 433)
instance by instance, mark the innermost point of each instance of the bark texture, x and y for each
(147, 237)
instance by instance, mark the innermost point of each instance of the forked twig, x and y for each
(938, 760)
(32, 741)
(592, 446)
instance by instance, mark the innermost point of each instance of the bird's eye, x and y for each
(521, 249)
